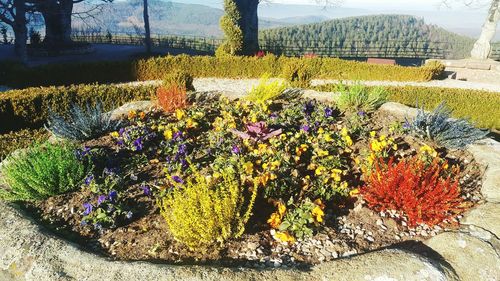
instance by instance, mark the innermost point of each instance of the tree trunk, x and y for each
(249, 25)
(20, 31)
(482, 47)
(147, 30)
(57, 17)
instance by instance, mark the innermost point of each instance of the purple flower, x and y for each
(146, 190)
(129, 215)
(120, 142)
(328, 112)
(113, 195)
(184, 164)
(87, 208)
(121, 131)
(82, 153)
(138, 144)
(182, 149)
(101, 199)
(273, 115)
(177, 179)
(361, 113)
(308, 108)
(236, 149)
(305, 128)
(177, 135)
(406, 125)
(89, 179)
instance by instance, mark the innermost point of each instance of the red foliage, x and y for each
(416, 189)
(171, 98)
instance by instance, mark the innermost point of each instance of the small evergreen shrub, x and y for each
(82, 124)
(205, 211)
(298, 73)
(266, 90)
(360, 98)
(442, 129)
(424, 193)
(233, 35)
(178, 78)
(42, 171)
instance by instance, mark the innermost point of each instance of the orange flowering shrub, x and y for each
(424, 193)
(171, 98)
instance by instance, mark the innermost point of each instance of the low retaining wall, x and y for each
(29, 252)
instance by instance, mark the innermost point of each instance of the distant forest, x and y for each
(398, 34)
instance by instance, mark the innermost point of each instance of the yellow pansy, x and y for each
(285, 237)
(318, 214)
(115, 134)
(328, 138)
(281, 209)
(168, 134)
(248, 166)
(179, 114)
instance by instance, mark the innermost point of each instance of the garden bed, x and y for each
(133, 177)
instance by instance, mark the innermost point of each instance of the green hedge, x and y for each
(29, 108)
(20, 139)
(254, 67)
(482, 107)
(18, 76)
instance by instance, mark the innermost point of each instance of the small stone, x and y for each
(370, 239)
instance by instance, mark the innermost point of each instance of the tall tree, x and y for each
(482, 47)
(13, 13)
(147, 29)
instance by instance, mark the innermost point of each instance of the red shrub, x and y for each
(310, 56)
(418, 190)
(260, 54)
(171, 98)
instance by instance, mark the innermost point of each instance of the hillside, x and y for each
(168, 18)
(394, 32)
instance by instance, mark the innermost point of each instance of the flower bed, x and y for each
(269, 180)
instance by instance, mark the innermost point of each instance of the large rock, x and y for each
(472, 258)
(28, 252)
(486, 216)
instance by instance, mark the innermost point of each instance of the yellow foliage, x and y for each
(207, 211)
(266, 90)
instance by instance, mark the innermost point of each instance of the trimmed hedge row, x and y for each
(18, 76)
(482, 107)
(29, 108)
(20, 139)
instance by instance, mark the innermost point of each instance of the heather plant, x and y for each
(171, 98)
(266, 90)
(81, 125)
(43, 170)
(439, 127)
(358, 98)
(201, 211)
(421, 192)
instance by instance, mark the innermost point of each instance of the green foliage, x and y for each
(369, 36)
(30, 107)
(300, 221)
(298, 73)
(20, 139)
(266, 90)
(439, 127)
(360, 98)
(82, 124)
(480, 106)
(205, 211)
(42, 171)
(178, 78)
(229, 24)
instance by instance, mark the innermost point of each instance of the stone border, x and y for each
(30, 252)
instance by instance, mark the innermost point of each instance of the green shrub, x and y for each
(266, 90)
(179, 78)
(299, 69)
(206, 211)
(480, 106)
(360, 98)
(20, 139)
(42, 171)
(229, 23)
(298, 73)
(29, 108)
